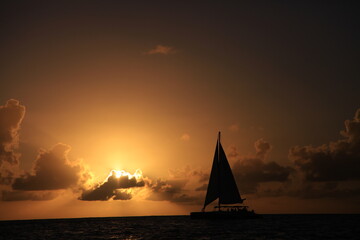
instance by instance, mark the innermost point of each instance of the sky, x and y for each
(112, 108)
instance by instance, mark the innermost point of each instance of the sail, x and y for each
(222, 184)
(213, 188)
(229, 192)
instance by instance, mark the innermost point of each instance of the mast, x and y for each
(218, 158)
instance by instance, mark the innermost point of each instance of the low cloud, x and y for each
(313, 190)
(52, 171)
(113, 188)
(195, 175)
(122, 195)
(182, 186)
(169, 190)
(262, 148)
(6, 174)
(28, 195)
(162, 49)
(11, 116)
(330, 170)
(335, 161)
(202, 187)
(251, 171)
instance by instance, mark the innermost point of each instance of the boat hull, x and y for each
(224, 215)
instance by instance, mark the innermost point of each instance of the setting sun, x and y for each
(121, 173)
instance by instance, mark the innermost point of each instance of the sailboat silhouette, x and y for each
(222, 186)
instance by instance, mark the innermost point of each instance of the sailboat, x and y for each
(222, 186)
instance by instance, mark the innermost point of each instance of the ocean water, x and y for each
(182, 227)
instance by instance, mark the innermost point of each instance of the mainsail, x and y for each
(222, 184)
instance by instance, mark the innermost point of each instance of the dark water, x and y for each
(182, 227)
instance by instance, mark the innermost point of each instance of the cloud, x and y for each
(313, 190)
(251, 171)
(52, 171)
(28, 195)
(110, 188)
(262, 148)
(327, 190)
(169, 190)
(6, 173)
(202, 187)
(185, 137)
(182, 186)
(335, 161)
(11, 116)
(122, 195)
(234, 127)
(197, 175)
(161, 49)
(330, 170)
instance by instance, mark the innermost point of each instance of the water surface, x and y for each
(278, 227)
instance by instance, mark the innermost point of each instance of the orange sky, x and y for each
(103, 85)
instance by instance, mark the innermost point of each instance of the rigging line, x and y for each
(219, 178)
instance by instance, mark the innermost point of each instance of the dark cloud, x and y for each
(28, 195)
(335, 161)
(53, 170)
(11, 115)
(202, 187)
(187, 186)
(183, 186)
(188, 173)
(313, 190)
(327, 190)
(6, 174)
(250, 171)
(327, 171)
(122, 195)
(110, 188)
(262, 148)
(170, 190)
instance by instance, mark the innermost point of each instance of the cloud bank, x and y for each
(326, 171)
(52, 171)
(28, 195)
(330, 170)
(251, 171)
(11, 116)
(183, 186)
(113, 188)
(335, 161)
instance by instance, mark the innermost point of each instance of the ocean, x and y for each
(287, 226)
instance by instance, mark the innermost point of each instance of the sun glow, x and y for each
(122, 173)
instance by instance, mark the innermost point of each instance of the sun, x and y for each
(122, 173)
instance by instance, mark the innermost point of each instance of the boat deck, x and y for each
(225, 215)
